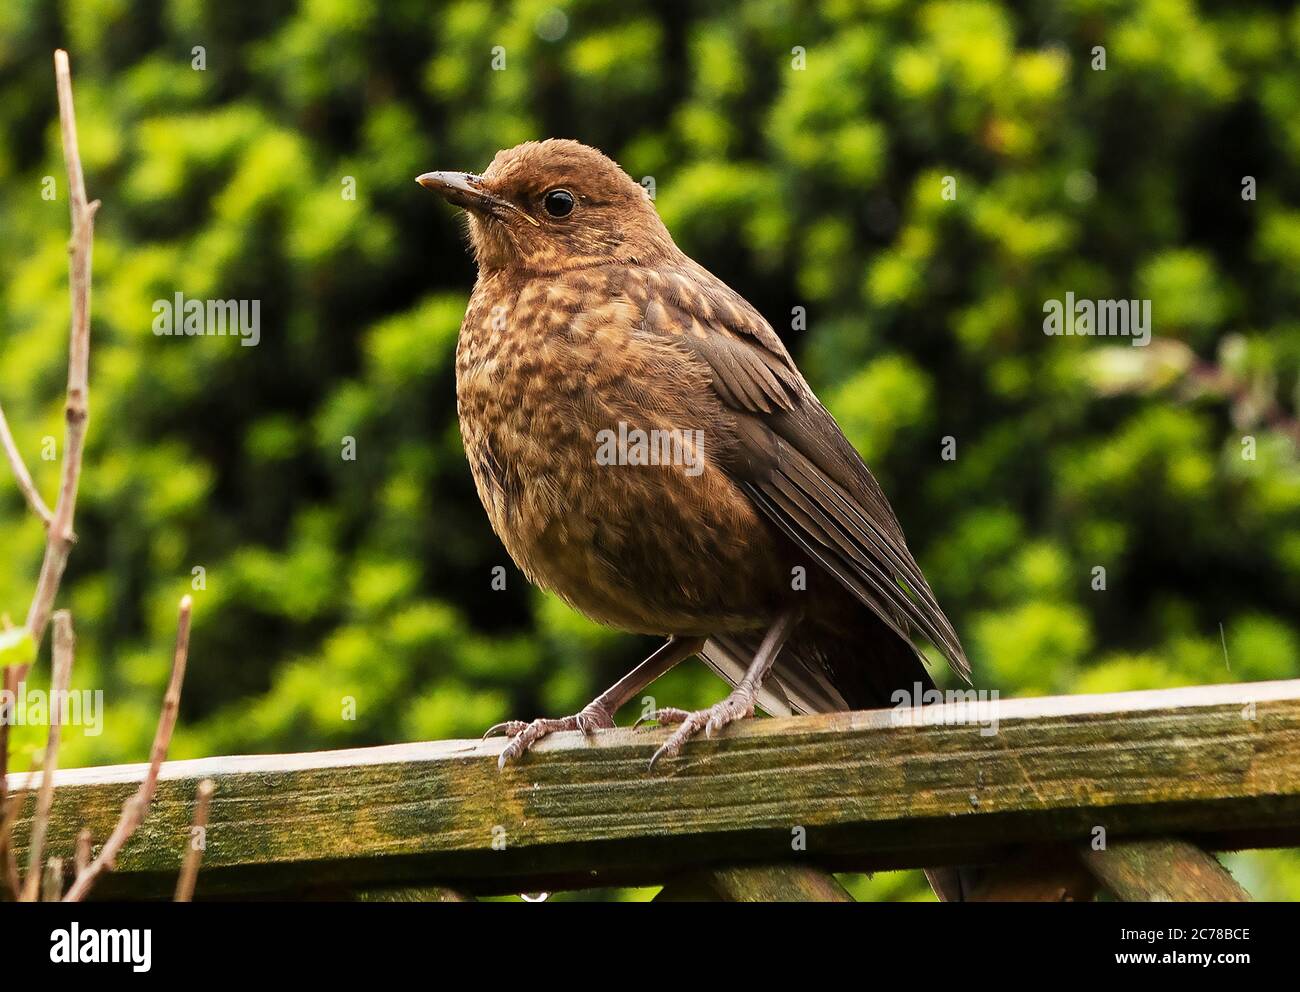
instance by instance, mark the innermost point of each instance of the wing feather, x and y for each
(794, 461)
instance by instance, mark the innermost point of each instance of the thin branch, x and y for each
(135, 808)
(8, 817)
(8, 807)
(59, 540)
(21, 474)
(59, 681)
(194, 853)
(81, 858)
(52, 885)
(1216, 378)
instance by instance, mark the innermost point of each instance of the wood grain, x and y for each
(1219, 765)
(1163, 871)
(756, 883)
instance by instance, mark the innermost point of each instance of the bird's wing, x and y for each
(793, 460)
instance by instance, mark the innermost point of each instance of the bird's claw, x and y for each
(507, 727)
(737, 706)
(664, 717)
(524, 735)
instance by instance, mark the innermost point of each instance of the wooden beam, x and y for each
(1162, 871)
(757, 883)
(1041, 873)
(424, 893)
(865, 791)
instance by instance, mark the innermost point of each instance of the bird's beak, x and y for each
(464, 189)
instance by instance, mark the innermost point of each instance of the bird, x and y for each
(647, 450)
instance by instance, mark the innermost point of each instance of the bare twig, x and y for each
(9, 683)
(8, 807)
(63, 647)
(194, 853)
(81, 859)
(52, 884)
(21, 474)
(59, 540)
(135, 808)
(9, 866)
(1217, 379)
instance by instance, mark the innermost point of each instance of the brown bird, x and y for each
(646, 449)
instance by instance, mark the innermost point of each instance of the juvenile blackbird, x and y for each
(747, 530)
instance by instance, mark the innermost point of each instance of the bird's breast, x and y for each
(599, 453)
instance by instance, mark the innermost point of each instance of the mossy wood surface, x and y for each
(1163, 871)
(1218, 765)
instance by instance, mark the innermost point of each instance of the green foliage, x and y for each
(347, 601)
(16, 647)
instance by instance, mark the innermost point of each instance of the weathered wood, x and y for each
(1037, 874)
(757, 883)
(872, 791)
(1162, 870)
(423, 893)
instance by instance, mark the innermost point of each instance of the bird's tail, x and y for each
(827, 671)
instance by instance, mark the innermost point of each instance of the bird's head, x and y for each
(546, 206)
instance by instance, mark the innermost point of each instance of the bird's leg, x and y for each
(738, 704)
(599, 713)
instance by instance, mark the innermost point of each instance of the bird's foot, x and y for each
(737, 706)
(524, 735)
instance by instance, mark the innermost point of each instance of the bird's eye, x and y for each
(558, 203)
